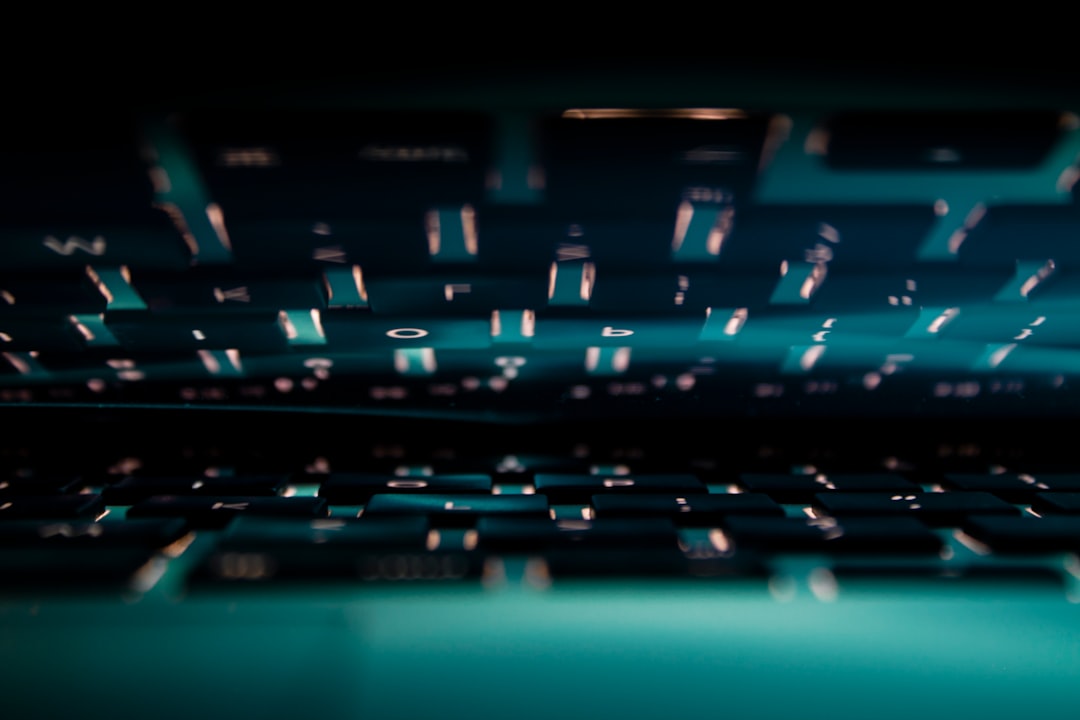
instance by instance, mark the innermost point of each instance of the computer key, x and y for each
(59, 535)
(136, 488)
(884, 535)
(40, 484)
(99, 569)
(692, 510)
(935, 509)
(1010, 487)
(1057, 503)
(216, 512)
(581, 488)
(541, 535)
(791, 488)
(347, 534)
(357, 488)
(773, 534)
(1024, 534)
(457, 510)
(46, 507)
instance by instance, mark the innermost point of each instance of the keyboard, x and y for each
(306, 504)
(463, 393)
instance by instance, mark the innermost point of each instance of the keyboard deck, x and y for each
(239, 502)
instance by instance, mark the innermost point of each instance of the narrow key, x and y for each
(580, 488)
(358, 488)
(59, 535)
(690, 510)
(788, 488)
(137, 488)
(1057, 503)
(48, 507)
(1010, 487)
(536, 535)
(217, 512)
(936, 509)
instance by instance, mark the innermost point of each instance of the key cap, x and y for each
(134, 489)
(1010, 487)
(565, 489)
(457, 510)
(351, 535)
(1053, 533)
(772, 534)
(540, 535)
(26, 507)
(357, 488)
(695, 510)
(935, 509)
(147, 534)
(901, 536)
(1057, 503)
(217, 512)
(787, 488)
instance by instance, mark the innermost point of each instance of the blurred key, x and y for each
(217, 512)
(788, 488)
(936, 509)
(357, 488)
(692, 510)
(135, 489)
(581, 488)
(457, 510)
(45, 507)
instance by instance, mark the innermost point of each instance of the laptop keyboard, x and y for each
(632, 265)
(387, 515)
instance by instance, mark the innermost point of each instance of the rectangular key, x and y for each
(1054, 533)
(894, 536)
(695, 510)
(565, 489)
(30, 507)
(250, 533)
(1057, 503)
(136, 488)
(217, 512)
(58, 535)
(1010, 487)
(458, 510)
(935, 509)
(358, 488)
(79, 569)
(541, 535)
(789, 488)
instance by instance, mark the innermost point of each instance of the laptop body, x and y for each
(565, 324)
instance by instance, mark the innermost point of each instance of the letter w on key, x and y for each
(73, 243)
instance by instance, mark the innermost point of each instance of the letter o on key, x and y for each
(406, 333)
